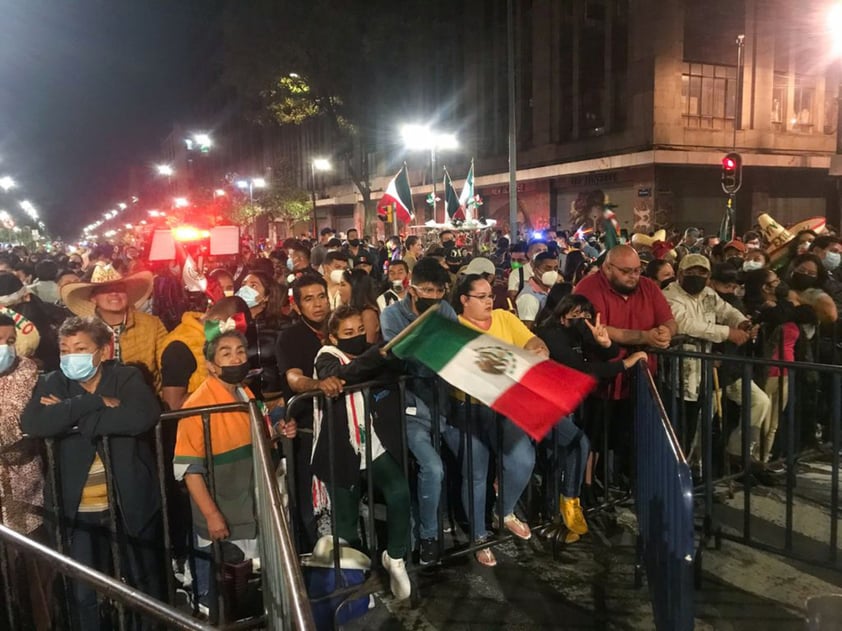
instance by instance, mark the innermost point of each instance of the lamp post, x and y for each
(422, 137)
(321, 165)
(7, 183)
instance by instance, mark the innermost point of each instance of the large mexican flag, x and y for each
(533, 392)
(399, 195)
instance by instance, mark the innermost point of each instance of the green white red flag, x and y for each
(533, 392)
(398, 195)
(467, 200)
(452, 206)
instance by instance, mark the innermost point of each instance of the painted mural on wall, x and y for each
(533, 212)
(586, 210)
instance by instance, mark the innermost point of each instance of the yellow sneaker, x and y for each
(571, 513)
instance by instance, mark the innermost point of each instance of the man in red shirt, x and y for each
(636, 314)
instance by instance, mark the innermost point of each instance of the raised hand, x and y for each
(599, 332)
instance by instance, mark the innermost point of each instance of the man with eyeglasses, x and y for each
(636, 315)
(428, 288)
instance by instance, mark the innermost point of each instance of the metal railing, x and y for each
(663, 493)
(725, 408)
(109, 587)
(284, 595)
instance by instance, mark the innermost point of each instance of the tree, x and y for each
(343, 62)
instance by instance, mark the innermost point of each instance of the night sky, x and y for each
(89, 89)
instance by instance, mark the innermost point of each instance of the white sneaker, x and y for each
(398, 578)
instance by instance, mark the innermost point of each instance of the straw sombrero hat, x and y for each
(77, 296)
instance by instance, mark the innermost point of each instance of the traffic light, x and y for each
(732, 173)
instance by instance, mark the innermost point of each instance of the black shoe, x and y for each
(429, 553)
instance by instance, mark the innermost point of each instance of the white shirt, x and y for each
(514, 277)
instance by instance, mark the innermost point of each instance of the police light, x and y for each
(732, 173)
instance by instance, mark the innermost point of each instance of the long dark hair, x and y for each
(821, 278)
(565, 306)
(557, 293)
(753, 283)
(271, 315)
(363, 289)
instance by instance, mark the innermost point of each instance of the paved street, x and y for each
(591, 586)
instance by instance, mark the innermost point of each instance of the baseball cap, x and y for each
(736, 244)
(362, 259)
(480, 265)
(694, 260)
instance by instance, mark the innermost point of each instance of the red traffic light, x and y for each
(728, 163)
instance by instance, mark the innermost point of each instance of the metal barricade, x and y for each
(738, 492)
(545, 519)
(284, 596)
(664, 499)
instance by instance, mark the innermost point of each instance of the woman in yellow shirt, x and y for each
(473, 302)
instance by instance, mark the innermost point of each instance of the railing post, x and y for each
(745, 423)
(165, 518)
(218, 612)
(113, 525)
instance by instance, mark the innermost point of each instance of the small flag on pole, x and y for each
(452, 205)
(467, 200)
(517, 383)
(399, 194)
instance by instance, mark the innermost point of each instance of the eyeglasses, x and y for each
(429, 291)
(482, 297)
(628, 271)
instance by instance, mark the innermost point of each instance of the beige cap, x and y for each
(694, 260)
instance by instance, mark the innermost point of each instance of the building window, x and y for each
(708, 95)
(800, 115)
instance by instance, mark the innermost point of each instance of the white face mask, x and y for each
(749, 266)
(336, 276)
(549, 278)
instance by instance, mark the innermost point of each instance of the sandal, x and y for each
(486, 557)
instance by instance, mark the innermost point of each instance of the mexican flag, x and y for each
(533, 392)
(452, 205)
(466, 199)
(399, 195)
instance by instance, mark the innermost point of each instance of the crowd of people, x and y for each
(118, 339)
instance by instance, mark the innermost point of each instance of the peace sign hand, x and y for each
(599, 332)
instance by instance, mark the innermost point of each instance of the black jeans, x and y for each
(141, 565)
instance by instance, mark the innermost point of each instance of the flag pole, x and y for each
(394, 220)
(412, 326)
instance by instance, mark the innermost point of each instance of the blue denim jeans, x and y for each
(573, 449)
(518, 460)
(419, 438)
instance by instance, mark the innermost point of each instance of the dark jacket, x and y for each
(384, 408)
(131, 457)
(570, 348)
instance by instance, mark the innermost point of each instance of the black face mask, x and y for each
(801, 281)
(581, 327)
(731, 299)
(354, 242)
(693, 285)
(782, 291)
(666, 282)
(422, 304)
(234, 374)
(355, 346)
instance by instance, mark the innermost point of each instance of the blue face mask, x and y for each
(250, 295)
(289, 263)
(78, 366)
(7, 357)
(831, 260)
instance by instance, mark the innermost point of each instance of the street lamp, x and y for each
(200, 141)
(7, 183)
(165, 169)
(251, 184)
(180, 202)
(321, 165)
(422, 138)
